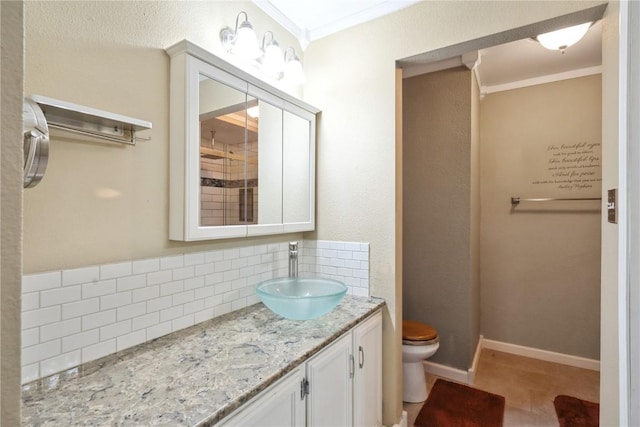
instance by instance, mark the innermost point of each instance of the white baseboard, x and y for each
(471, 373)
(447, 372)
(403, 421)
(549, 356)
(454, 374)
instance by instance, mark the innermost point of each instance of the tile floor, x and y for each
(528, 385)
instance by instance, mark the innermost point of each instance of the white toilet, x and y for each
(419, 342)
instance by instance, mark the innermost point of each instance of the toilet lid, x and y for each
(416, 331)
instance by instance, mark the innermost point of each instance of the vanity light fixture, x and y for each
(563, 38)
(293, 72)
(242, 41)
(272, 60)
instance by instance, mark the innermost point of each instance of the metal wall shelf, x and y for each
(90, 121)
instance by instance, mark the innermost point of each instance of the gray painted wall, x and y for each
(440, 211)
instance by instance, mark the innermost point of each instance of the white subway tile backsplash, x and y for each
(230, 254)
(56, 330)
(158, 304)
(145, 321)
(193, 306)
(30, 337)
(132, 310)
(222, 266)
(222, 309)
(183, 273)
(75, 316)
(96, 351)
(171, 262)
(30, 301)
(80, 275)
(146, 266)
(213, 301)
(115, 330)
(145, 294)
(40, 352)
(80, 308)
(159, 277)
(60, 295)
(83, 339)
(42, 316)
(213, 279)
(97, 289)
(158, 330)
(222, 288)
(30, 372)
(204, 269)
(114, 271)
(194, 258)
(131, 282)
(61, 362)
(171, 288)
(182, 322)
(41, 281)
(115, 300)
(213, 256)
(203, 315)
(102, 318)
(171, 313)
(182, 297)
(194, 282)
(129, 340)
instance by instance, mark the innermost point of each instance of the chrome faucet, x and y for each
(293, 259)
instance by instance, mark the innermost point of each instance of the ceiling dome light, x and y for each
(564, 38)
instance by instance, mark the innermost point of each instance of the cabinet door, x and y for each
(330, 385)
(298, 173)
(281, 405)
(367, 346)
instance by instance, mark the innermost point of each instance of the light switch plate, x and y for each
(612, 208)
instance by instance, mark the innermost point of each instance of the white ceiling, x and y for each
(500, 66)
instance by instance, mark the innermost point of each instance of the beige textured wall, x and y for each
(437, 250)
(610, 355)
(541, 262)
(102, 202)
(11, 85)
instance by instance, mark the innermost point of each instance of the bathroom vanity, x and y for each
(248, 365)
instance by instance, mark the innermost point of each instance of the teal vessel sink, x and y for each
(301, 298)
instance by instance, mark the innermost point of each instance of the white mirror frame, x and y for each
(188, 62)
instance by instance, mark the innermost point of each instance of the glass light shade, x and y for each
(254, 112)
(293, 72)
(246, 43)
(562, 39)
(273, 61)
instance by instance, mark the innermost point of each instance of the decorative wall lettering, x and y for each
(572, 167)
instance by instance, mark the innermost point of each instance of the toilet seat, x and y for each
(417, 333)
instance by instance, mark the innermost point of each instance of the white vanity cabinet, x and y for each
(345, 379)
(339, 386)
(242, 153)
(281, 405)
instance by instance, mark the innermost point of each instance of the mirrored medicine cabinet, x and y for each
(242, 153)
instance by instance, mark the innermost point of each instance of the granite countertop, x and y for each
(196, 376)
